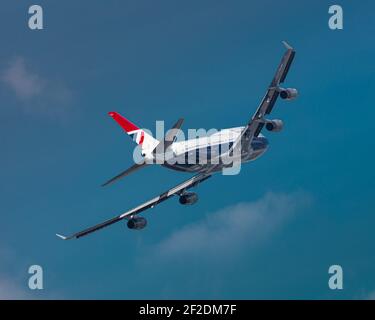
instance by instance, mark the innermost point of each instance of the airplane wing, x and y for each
(256, 123)
(149, 204)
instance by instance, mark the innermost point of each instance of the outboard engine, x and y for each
(188, 198)
(274, 125)
(288, 94)
(137, 223)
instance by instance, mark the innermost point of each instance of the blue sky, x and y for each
(270, 232)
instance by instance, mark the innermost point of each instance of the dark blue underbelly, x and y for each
(196, 160)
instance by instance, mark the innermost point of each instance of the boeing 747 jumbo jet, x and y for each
(203, 155)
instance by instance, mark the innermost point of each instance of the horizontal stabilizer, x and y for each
(170, 137)
(125, 173)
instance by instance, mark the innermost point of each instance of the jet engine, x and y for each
(288, 94)
(188, 198)
(137, 223)
(274, 125)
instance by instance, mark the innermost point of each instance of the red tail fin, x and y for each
(139, 136)
(123, 122)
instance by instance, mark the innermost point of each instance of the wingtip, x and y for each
(287, 45)
(61, 236)
(106, 183)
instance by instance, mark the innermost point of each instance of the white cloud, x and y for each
(206, 259)
(233, 229)
(14, 278)
(10, 287)
(35, 94)
(23, 82)
(10, 290)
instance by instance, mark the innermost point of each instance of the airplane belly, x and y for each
(198, 160)
(184, 167)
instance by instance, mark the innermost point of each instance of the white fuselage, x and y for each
(202, 153)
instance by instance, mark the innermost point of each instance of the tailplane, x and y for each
(146, 141)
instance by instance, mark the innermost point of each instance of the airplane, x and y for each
(243, 144)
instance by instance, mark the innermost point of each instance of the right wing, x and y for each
(256, 123)
(273, 91)
(149, 204)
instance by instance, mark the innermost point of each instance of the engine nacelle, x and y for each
(274, 125)
(137, 223)
(288, 94)
(188, 198)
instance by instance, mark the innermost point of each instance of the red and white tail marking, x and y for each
(128, 126)
(139, 136)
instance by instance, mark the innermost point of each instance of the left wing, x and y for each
(149, 204)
